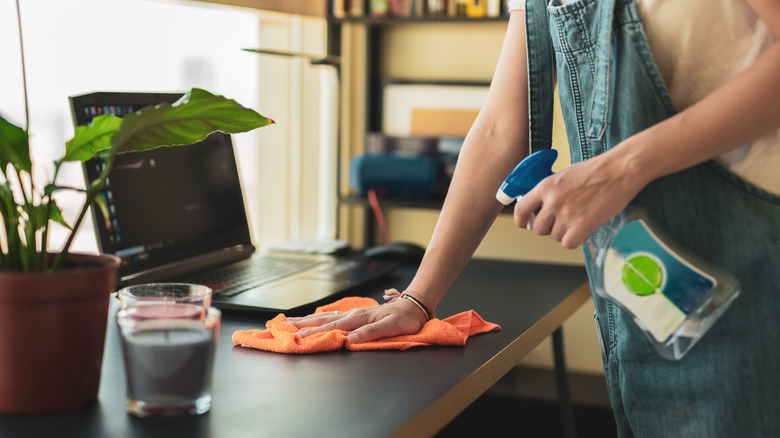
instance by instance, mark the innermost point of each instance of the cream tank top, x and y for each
(698, 45)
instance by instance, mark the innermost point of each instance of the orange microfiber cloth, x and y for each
(281, 337)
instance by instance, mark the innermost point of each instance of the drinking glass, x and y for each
(169, 334)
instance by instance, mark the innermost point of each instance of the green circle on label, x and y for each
(642, 275)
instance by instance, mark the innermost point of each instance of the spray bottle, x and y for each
(672, 295)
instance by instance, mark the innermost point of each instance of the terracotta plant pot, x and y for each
(52, 333)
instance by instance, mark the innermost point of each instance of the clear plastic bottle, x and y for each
(673, 296)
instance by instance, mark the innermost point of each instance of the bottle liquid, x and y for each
(672, 295)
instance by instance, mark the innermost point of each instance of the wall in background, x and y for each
(289, 152)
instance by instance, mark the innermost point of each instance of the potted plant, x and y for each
(54, 306)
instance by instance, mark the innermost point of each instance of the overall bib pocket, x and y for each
(582, 44)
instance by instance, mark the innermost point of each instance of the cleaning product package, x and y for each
(672, 295)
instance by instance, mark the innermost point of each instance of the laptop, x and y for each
(178, 214)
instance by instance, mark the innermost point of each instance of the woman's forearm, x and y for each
(496, 142)
(743, 110)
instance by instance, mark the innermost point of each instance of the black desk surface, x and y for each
(346, 394)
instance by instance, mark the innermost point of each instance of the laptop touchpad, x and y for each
(288, 294)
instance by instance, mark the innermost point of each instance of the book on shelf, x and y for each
(348, 8)
(417, 8)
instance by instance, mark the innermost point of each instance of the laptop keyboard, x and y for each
(233, 280)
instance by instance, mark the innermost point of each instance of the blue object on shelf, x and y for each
(398, 176)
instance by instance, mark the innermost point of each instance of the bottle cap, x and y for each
(504, 198)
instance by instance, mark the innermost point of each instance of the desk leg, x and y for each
(562, 385)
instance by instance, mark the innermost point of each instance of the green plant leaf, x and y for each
(14, 147)
(36, 217)
(6, 197)
(190, 119)
(91, 139)
(100, 201)
(51, 188)
(95, 196)
(55, 214)
(10, 214)
(8, 210)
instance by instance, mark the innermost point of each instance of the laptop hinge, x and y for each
(191, 265)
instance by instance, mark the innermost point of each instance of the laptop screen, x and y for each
(169, 204)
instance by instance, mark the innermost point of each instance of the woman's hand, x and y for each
(571, 204)
(400, 317)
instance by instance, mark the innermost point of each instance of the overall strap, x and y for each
(603, 75)
(540, 75)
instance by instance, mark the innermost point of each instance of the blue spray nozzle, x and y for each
(527, 175)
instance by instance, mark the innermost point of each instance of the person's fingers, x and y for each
(321, 322)
(542, 223)
(576, 234)
(367, 324)
(333, 325)
(313, 319)
(340, 321)
(405, 319)
(525, 207)
(571, 240)
(384, 328)
(558, 232)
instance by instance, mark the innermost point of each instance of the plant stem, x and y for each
(23, 221)
(24, 72)
(44, 251)
(65, 249)
(23, 257)
(92, 191)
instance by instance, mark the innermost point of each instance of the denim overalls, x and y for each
(728, 385)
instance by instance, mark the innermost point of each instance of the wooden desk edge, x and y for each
(432, 419)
